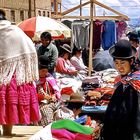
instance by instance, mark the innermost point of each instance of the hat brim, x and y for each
(112, 50)
(66, 49)
(75, 101)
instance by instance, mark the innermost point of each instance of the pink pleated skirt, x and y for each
(18, 104)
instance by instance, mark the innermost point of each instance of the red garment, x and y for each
(133, 78)
(46, 87)
(80, 136)
(67, 90)
(40, 97)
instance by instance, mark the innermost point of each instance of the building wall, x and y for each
(18, 10)
(44, 6)
(57, 9)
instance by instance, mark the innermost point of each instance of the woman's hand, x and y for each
(53, 98)
(47, 97)
(74, 72)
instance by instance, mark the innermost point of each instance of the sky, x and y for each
(131, 8)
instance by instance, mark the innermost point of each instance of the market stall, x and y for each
(92, 16)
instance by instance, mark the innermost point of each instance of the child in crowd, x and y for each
(48, 95)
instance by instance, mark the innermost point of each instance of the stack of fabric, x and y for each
(64, 130)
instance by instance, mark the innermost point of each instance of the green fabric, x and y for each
(72, 126)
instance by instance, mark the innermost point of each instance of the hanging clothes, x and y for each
(80, 33)
(97, 29)
(109, 34)
(120, 28)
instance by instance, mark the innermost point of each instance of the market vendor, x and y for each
(48, 94)
(63, 64)
(122, 121)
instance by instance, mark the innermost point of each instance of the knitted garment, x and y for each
(17, 55)
(72, 126)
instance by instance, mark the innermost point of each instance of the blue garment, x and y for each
(82, 119)
(94, 109)
(109, 34)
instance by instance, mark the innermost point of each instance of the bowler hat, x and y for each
(76, 98)
(123, 50)
(67, 48)
(133, 36)
(2, 12)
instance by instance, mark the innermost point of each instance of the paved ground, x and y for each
(23, 132)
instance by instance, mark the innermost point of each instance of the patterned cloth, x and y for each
(48, 86)
(47, 113)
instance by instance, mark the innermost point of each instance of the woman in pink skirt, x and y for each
(18, 71)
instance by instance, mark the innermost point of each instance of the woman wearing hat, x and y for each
(72, 109)
(134, 40)
(122, 118)
(63, 65)
(48, 93)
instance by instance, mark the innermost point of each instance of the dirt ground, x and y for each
(22, 132)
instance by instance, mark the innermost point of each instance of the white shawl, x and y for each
(17, 55)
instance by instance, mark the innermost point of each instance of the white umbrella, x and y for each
(34, 26)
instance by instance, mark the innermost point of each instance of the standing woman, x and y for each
(18, 70)
(122, 118)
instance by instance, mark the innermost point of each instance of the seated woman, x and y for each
(48, 95)
(76, 59)
(63, 65)
(72, 108)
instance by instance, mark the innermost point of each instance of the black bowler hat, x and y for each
(133, 36)
(123, 50)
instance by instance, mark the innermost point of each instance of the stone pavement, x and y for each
(23, 132)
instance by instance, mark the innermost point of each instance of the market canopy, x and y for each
(130, 8)
(92, 16)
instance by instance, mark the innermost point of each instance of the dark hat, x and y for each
(2, 12)
(133, 36)
(77, 48)
(76, 98)
(123, 50)
(43, 62)
(67, 48)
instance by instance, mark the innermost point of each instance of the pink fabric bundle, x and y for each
(63, 134)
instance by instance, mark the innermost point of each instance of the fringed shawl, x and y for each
(17, 55)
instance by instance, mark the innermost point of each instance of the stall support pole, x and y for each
(91, 39)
